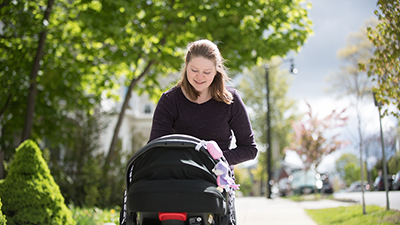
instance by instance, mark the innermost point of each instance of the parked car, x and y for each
(306, 182)
(379, 184)
(356, 186)
(396, 181)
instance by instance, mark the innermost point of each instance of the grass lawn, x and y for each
(354, 215)
(348, 215)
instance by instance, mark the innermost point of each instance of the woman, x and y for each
(202, 106)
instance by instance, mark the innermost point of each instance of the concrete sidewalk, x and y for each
(262, 211)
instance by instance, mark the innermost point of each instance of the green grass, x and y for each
(354, 215)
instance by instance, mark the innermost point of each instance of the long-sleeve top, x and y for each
(211, 120)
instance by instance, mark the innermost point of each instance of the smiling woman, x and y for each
(200, 75)
(202, 106)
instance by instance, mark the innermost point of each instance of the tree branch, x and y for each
(111, 150)
(26, 133)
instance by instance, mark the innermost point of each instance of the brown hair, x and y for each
(208, 50)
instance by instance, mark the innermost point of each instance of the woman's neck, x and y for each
(202, 98)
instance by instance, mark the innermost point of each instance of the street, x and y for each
(372, 198)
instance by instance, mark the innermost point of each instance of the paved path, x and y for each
(262, 211)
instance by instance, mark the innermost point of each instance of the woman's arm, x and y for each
(163, 118)
(240, 124)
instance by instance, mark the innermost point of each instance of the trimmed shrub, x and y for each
(3, 220)
(29, 193)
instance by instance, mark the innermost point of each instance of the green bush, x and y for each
(29, 193)
(3, 220)
(94, 216)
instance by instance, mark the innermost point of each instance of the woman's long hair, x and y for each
(208, 50)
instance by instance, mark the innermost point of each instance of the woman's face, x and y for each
(201, 73)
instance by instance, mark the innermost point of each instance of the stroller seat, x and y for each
(173, 174)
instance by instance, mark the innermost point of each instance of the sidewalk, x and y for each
(261, 211)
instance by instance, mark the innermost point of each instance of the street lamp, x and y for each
(385, 180)
(269, 145)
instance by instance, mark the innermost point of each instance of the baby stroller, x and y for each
(170, 181)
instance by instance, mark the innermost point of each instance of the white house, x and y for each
(136, 125)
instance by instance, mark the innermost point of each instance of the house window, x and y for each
(147, 109)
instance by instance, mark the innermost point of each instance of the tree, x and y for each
(26, 132)
(350, 81)
(29, 193)
(66, 84)
(282, 108)
(385, 64)
(240, 28)
(348, 168)
(91, 45)
(311, 141)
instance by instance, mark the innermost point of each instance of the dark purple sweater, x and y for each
(211, 120)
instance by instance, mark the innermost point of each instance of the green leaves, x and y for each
(93, 47)
(385, 65)
(29, 193)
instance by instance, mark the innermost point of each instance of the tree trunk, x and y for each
(30, 109)
(111, 150)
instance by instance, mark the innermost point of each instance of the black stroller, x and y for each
(170, 181)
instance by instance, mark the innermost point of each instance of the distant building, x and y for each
(136, 125)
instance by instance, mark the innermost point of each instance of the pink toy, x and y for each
(224, 180)
(221, 169)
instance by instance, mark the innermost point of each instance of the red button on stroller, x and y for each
(170, 181)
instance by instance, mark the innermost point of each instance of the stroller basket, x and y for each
(174, 174)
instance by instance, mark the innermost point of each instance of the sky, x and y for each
(333, 21)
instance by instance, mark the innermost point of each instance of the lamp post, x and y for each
(269, 145)
(379, 105)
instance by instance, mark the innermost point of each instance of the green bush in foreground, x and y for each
(2, 217)
(29, 193)
(353, 215)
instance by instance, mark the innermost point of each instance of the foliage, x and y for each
(3, 219)
(282, 108)
(246, 33)
(67, 86)
(95, 216)
(29, 193)
(348, 168)
(92, 46)
(244, 178)
(394, 164)
(80, 173)
(354, 215)
(310, 140)
(385, 65)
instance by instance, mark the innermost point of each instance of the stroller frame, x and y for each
(170, 181)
